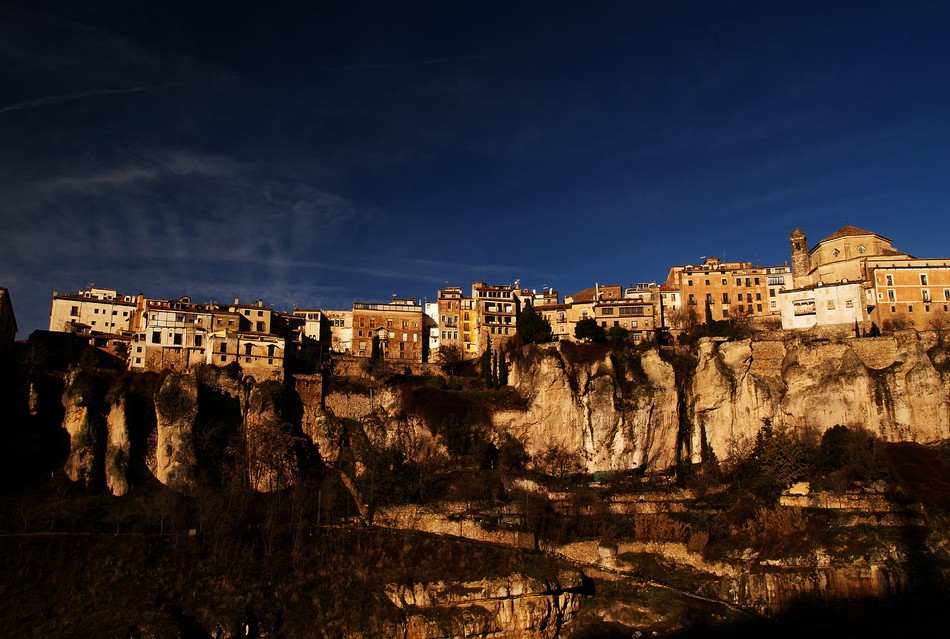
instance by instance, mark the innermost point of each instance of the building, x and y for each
(897, 290)
(398, 325)
(822, 305)
(840, 257)
(259, 355)
(172, 335)
(341, 330)
(448, 315)
(315, 323)
(469, 332)
(8, 327)
(254, 317)
(431, 329)
(777, 279)
(98, 310)
(721, 290)
(911, 293)
(496, 313)
(558, 316)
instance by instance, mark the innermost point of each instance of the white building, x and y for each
(822, 305)
(98, 310)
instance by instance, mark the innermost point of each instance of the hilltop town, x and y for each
(853, 278)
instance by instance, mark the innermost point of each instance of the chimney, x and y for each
(237, 300)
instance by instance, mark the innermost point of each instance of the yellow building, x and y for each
(912, 293)
(838, 258)
(727, 289)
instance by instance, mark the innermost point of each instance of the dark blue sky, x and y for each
(324, 152)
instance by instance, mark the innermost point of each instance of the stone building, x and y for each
(8, 327)
(398, 324)
(172, 335)
(259, 355)
(469, 331)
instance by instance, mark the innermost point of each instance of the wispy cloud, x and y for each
(91, 93)
(407, 63)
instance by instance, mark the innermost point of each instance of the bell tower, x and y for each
(801, 262)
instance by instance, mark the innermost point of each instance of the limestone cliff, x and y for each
(888, 385)
(274, 451)
(84, 423)
(118, 447)
(614, 415)
(176, 405)
(617, 415)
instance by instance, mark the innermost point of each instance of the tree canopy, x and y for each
(589, 329)
(531, 327)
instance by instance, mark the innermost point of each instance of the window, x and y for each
(925, 294)
(197, 340)
(725, 298)
(836, 252)
(247, 349)
(756, 281)
(759, 306)
(692, 299)
(224, 358)
(771, 292)
(156, 337)
(709, 299)
(74, 311)
(260, 313)
(861, 249)
(923, 279)
(176, 339)
(910, 308)
(95, 311)
(707, 282)
(748, 282)
(689, 282)
(723, 281)
(946, 294)
(889, 280)
(891, 295)
(849, 303)
(831, 305)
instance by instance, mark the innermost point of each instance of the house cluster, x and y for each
(850, 276)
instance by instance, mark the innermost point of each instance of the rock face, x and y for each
(273, 449)
(613, 416)
(118, 448)
(516, 606)
(176, 407)
(618, 416)
(83, 422)
(889, 386)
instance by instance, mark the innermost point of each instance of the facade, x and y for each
(98, 310)
(314, 323)
(469, 331)
(448, 315)
(558, 316)
(254, 317)
(912, 293)
(172, 335)
(822, 305)
(8, 327)
(496, 312)
(398, 324)
(778, 279)
(431, 330)
(341, 330)
(259, 355)
(726, 289)
(840, 257)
